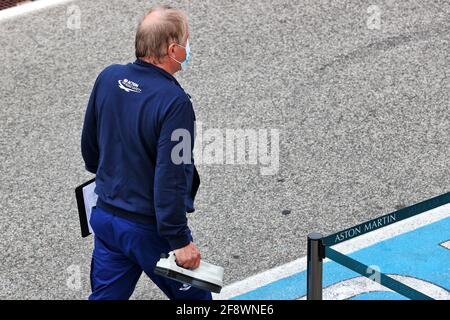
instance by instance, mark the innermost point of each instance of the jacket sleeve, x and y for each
(89, 143)
(171, 179)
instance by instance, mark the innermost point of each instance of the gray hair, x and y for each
(153, 37)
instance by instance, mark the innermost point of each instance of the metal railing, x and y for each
(319, 248)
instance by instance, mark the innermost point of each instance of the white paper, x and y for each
(90, 200)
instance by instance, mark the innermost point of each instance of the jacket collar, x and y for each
(158, 69)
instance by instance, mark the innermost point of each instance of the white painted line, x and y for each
(446, 244)
(25, 8)
(299, 265)
(261, 279)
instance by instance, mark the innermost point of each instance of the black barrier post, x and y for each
(314, 266)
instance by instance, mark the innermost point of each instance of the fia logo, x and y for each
(129, 86)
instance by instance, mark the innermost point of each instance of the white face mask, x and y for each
(185, 63)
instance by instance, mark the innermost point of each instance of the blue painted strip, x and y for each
(379, 296)
(416, 253)
(386, 281)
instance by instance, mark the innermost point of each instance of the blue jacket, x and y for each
(127, 142)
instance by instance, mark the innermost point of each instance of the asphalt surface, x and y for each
(362, 115)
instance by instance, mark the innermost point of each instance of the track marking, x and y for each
(446, 244)
(29, 7)
(361, 285)
(299, 265)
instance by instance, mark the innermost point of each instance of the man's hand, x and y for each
(188, 257)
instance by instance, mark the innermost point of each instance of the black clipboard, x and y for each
(86, 199)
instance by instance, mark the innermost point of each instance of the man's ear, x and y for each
(171, 50)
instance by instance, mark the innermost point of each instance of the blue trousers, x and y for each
(122, 250)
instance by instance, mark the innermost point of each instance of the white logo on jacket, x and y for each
(129, 86)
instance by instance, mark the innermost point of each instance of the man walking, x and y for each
(137, 117)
